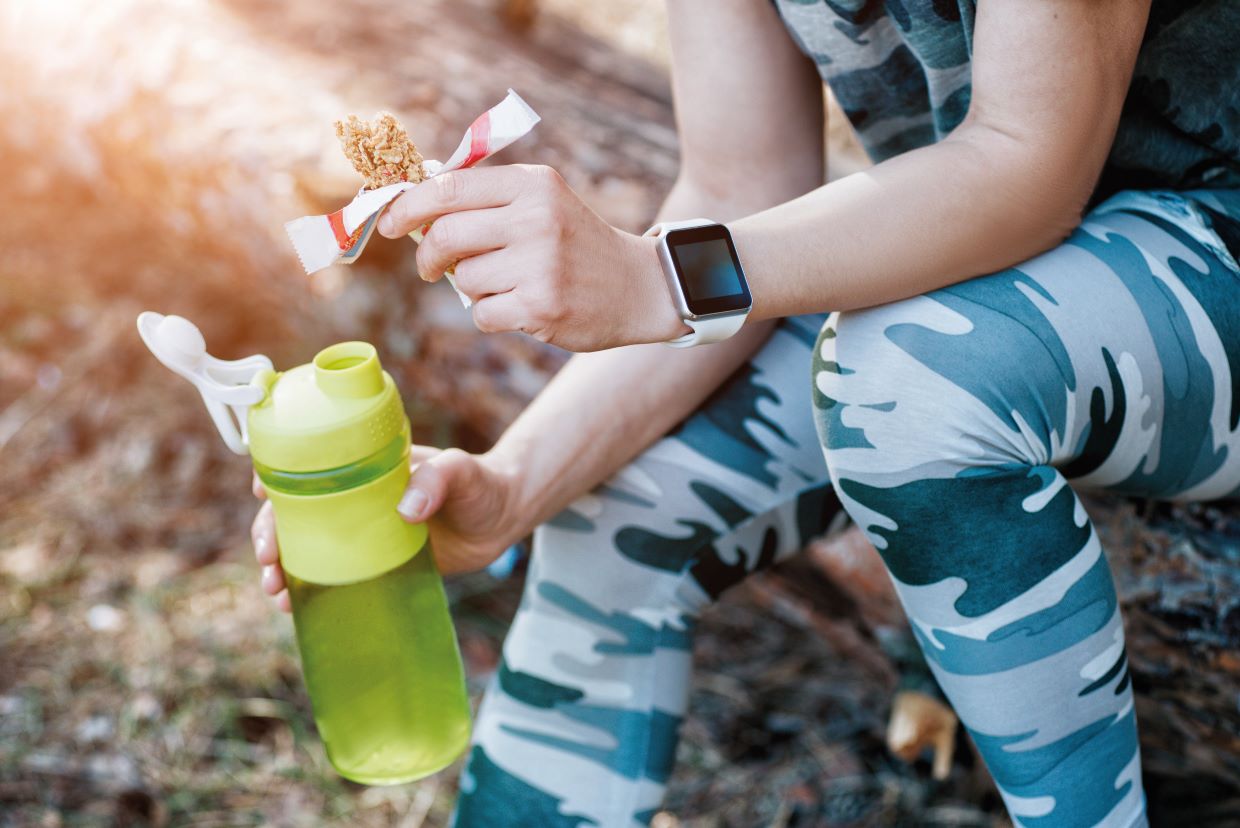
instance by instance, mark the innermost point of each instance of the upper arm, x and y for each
(748, 103)
(1049, 82)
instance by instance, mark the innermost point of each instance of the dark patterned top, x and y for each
(901, 70)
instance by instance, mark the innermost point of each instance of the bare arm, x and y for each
(605, 407)
(1048, 83)
(1049, 80)
(622, 400)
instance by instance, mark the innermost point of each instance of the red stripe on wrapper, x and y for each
(343, 240)
(479, 139)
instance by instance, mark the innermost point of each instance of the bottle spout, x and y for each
(349, 369)
(225, 385)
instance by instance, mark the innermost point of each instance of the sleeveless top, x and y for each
(901, 71)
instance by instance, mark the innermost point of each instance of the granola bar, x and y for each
(380, 150)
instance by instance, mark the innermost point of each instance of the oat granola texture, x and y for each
(380, 150)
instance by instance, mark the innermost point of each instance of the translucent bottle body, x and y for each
(378, 650)
(383, 672)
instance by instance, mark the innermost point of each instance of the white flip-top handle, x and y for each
(223, 384)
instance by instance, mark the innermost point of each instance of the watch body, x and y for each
(704, 277)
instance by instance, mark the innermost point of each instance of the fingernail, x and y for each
(260, 547)
(385, 225)
(268, 574)
(412, 504)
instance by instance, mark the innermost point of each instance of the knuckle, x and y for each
(544, 185)
(557, 263)
(444, 234)
(449, 189)
(552, 216)
(464, 272)
(549, 282)
(547, 309)
(546, 176)
(468, 273)
(453, 455)
(399, 211)
(425, 258)
(545, 220)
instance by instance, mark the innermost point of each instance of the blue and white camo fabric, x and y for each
(956, 429)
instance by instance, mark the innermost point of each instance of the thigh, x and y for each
(654, 534)
(1162, 422)
(951, 423)
(580, 723)
(1113, 357)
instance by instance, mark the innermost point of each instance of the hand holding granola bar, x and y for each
(520, 247)
(533, 257)
(390, 164)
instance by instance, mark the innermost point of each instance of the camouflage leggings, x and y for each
(950, 425)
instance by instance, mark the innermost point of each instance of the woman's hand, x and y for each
(534, 258)
(468, 499)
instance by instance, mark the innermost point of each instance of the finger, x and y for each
(273, 580)
(419, 454)
(428, 485)
(283, 603)
(451, 192)
(263, 534)
(480, 276)
(501, 312)
(256, 486)
(460, 235)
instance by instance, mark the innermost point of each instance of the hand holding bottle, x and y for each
(467, 499)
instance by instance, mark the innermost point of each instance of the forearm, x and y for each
(1048, 82)
(601, 410)
(967, 206)
(604, 408)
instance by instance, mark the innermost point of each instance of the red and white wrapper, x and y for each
(341, 236)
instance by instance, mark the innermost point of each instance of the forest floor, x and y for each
(154, 151)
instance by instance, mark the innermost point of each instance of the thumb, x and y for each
(428, 485)
(420, 454)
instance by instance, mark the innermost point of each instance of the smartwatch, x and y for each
(704, 277)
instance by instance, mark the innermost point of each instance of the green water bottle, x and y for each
(330, 442)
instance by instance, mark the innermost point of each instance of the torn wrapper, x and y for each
(341, 236)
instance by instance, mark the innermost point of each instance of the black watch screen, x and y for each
(709, 270)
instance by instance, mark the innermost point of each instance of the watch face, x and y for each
(708, 269)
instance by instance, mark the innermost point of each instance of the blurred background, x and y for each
(152, 150)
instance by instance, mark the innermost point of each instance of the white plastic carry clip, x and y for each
(224, 384)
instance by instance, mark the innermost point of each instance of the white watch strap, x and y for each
(705, 331)
(662, 227)
(709, 329)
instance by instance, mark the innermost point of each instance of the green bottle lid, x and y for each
(337, 410)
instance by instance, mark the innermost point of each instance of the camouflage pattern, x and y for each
(957, 426)
(579, 725)
(951, 424)
(901, 70)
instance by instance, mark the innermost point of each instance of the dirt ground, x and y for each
(153, 151)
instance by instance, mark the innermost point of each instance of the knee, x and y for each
(872, 396)
(936, 380)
